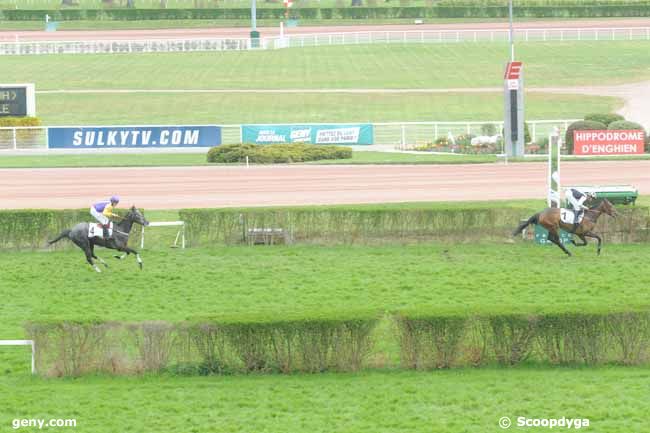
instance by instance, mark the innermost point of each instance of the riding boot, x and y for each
(106, 234)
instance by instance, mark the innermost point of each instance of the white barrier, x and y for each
(22, 343)
(180, 233)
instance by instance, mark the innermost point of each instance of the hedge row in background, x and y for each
(212, 346)
(32, 228)
(276, 153)
(19, 121)
(201, 347)
(602, 121)
(369, 225)
(471, 11)
(441, 341)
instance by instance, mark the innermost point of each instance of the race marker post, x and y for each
(513, 120)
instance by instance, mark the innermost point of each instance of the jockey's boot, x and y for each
(106, 235)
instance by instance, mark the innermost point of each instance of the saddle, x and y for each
(567, 216)
(96, 230)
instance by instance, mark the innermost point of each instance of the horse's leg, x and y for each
(554, 237)
(591, 234)
(128, 250)
(86, 247)
(92, 251)
(582, 238)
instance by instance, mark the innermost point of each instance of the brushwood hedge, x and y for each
(311, 345)
(204, 346)
(276, 153)
(368, 225)
(564, 10)
(30, 229)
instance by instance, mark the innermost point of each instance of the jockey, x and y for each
(576, 200)
(103, 210)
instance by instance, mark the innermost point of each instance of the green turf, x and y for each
(613, 399)
(235, 108)
(376, 66)
(177, 284)
(194, 159)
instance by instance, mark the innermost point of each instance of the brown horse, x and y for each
(549, 218)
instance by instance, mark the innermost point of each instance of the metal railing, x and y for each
(321, 39)
(456, 36)
(123, 46)
(398, 135)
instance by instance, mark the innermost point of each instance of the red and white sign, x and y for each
(513, 71)
(288, 3)
(614, 142)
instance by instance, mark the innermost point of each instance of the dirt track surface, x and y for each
(207, 187)
(83, 35)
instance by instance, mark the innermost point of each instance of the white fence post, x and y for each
(14, 139)
(403, 136)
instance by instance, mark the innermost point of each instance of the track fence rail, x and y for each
(405, 136)
(17, 47)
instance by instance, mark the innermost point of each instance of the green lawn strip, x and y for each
(472, 401)
(198, 159)
(373, 66)
(314, 280)
(234, 108)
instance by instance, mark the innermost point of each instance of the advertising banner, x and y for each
(361, 134)
(133, 136)
(606, 142)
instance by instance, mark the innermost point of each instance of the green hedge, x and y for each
(441, 341)
(276, 153)
(206, 346)
(369, 225)
(438, 11)
(313, 345)
(32, 228)
(604, 118)
(580, 125)
(19, 121)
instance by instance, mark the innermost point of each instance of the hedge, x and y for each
(276, 153)
(312, 345)
(580, 125)
(205, 346)
(604, 118)
(442, 341)
(19, 121)
(367, 225)
(32, 228)
(587, 10)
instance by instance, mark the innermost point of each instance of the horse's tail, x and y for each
(532, 220)
(64, 234)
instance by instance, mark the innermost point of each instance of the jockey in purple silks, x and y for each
(103, 210)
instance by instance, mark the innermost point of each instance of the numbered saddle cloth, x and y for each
(567, 216)
(96, 230)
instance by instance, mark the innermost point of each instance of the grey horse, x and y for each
(121, 230)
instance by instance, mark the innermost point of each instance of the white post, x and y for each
(281, 29)
(403, 137)
(14, 138)
(33, 358)
(142, 238)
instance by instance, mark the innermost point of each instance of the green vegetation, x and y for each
(276, 153)
(194, 159)
(410, 66)
(312, 280)
(234, 108)
(613, 399)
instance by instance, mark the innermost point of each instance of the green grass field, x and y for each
(235, 108)
(177, 284)
(411, 66)
(472, 401)
(193, 159)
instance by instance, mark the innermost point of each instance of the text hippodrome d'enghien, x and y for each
(614, 142)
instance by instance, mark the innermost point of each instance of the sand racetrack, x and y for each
(219, 186)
